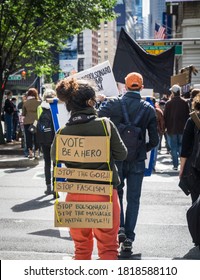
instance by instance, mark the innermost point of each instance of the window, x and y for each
(80, 43)
(80, 64)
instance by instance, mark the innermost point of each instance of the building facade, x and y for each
(157, 8)
(107, 41)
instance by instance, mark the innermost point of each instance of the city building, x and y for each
(157, 8)
(107, 41)
(134, 18)
(187, 26)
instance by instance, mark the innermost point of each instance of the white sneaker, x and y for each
(37, 154)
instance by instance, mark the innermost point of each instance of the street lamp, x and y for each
(23, 74)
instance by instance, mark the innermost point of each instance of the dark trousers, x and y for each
(46, 149)
(30, 138)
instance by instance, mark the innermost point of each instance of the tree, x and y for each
(30, 29)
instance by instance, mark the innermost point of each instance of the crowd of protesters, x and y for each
(167, 119)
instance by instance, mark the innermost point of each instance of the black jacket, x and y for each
(93, 127)
(176, 113)
(148, 123)
(9, 107)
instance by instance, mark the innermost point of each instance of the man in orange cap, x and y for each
(134, 81)
(132, 171)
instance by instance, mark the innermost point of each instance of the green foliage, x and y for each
(30, 29)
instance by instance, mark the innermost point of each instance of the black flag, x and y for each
(155, 69)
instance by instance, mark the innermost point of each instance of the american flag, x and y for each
(159, 32)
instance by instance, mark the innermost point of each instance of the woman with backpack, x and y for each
(45, 136)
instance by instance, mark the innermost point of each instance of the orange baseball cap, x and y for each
(134, 80)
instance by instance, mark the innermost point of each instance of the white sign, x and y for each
(103, 77)
(146, 92)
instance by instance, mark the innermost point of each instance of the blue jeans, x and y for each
(134, 174)
(9, 126)
(175, 142)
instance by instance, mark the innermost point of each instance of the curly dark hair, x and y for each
(75, 93)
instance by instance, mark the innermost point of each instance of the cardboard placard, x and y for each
(180, 79)
(84, 214)
(83, 174)
(71, 187)
(82, 148)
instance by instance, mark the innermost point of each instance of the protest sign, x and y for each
(84, 214)
(71, 187)
(83, 174)
(83, 149)
(103, 78)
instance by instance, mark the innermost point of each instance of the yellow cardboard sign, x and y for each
(84, 214)
(71, 187)
(83, 148)
(83, 174)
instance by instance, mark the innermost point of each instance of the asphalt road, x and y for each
(27, 221)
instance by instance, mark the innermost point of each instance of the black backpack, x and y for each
(193, 220)
(45, 128)
(130, 133)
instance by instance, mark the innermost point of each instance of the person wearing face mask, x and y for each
(80, 99)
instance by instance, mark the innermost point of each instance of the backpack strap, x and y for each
(137, 116)
(124, 111)
(140, 112)
(108, 127)
(195, 118)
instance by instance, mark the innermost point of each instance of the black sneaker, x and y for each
(121, 235)
(48, 192)
(127, 245)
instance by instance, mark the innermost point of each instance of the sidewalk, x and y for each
(12, 156)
